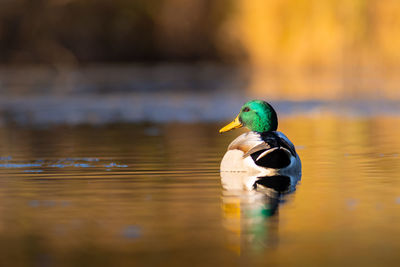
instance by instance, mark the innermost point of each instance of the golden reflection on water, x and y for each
(164, 204)
(348, 200)
(247, 219)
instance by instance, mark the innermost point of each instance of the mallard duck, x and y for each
(262, 152)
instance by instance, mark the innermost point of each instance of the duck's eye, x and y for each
(246, 109)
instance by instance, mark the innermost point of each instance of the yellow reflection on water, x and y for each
(346, 203)
(168, 204)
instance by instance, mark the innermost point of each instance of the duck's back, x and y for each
(266, 153)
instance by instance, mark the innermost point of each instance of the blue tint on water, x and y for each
(82, 165)
(81, 159)
(132, 232)
(34, 203)
(20, 165)
(61, 163)
(352, 203)
(112, 164)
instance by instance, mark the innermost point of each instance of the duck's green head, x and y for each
(256, 115)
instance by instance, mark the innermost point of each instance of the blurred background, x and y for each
(302, 50)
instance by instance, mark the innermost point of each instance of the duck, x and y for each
(259, 153)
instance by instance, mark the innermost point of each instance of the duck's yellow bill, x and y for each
(233, 125)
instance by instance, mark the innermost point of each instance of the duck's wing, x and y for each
(287, 143)
(270, 149)
(252, 142)
(278, 139)
(248, 143)
(279, 153)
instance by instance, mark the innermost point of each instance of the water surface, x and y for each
(150, 194)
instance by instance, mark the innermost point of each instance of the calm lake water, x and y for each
(150, 194)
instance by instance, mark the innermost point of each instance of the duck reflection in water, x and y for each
(251, 217)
